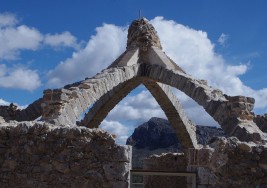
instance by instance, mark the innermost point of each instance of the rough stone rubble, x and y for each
(38, 154)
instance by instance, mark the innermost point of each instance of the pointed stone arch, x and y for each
(144, 60)
(184, 129)
(64, 106)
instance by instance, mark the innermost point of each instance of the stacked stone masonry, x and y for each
(230, 163)
(43, 155)
(261, 121)
(226, 162)
(12, 112)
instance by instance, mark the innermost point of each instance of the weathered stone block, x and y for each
(116, 171)
(200, 157)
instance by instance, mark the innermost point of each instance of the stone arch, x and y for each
(107, 102)
(64, 106)
(145, 60)
(232, 113)
(183, 128)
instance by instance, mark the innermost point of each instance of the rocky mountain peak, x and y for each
(158, 133)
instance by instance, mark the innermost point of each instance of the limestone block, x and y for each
(82, 101)
(47, 95)
(85, 97)
(243, 146)
(200, 96)
(76, 107)
(84, 85)
(157, 57)
(200, 157)
(123, 154)
(69, 113)
(58, 96)
(117, 171)
(94, 177)
(2, 120)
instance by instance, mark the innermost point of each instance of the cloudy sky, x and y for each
(48, 44)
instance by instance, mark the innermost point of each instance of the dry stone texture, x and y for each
(230, 163)
(261, 121)
(37, 154)
(226, 162)
(12, 112)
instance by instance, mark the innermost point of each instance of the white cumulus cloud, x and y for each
(15, 37)
(7, 19)
(65, 39)
(194, 52)
(102, 48)
(117, 129)
(19, 77)
(140, 107)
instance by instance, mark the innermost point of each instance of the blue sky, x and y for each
(44, 44)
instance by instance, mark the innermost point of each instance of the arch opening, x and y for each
(183, 128)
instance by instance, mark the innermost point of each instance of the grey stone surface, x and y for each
(142, 35)
(261, 121)
(31, 112)
(227, 162)
(2, 120)
(44, 155)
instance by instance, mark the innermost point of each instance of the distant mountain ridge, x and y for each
(157, 133)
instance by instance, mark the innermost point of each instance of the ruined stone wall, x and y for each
(9, 112)
(226, 162)
(12, 112)
(230, 163)
(37, 154)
